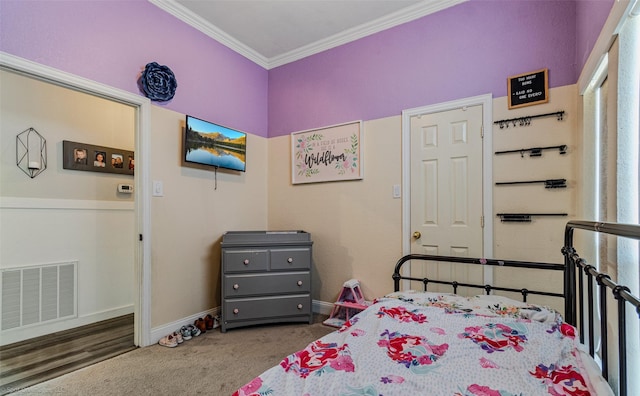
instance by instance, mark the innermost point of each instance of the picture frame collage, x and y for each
(93, 158)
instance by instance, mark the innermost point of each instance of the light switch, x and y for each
(396, 191)
(158, 188)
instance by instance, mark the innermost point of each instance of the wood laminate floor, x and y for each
(40, 359)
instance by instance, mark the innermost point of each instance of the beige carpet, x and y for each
(210, 364)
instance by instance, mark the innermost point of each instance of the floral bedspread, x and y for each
(434, 344)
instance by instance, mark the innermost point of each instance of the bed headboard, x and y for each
(397, 274)
(576, 273)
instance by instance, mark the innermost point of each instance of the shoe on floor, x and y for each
(186, 333)
(200, 324)
(194, 330)
(178, 336)
(208, 320)
(168, 341)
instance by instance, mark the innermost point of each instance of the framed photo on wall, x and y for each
(332, 153)
(92, 158)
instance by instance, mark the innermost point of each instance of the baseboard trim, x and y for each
(161, 331)
(24, 333)
(320, 307)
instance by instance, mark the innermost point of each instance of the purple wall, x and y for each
(111, 42)
(590, 18)
(467, 50)
(463, 51)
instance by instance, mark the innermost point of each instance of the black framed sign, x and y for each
(528, 89)
(92, 158)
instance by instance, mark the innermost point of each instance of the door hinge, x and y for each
(482, 132)
(481, 221)
(140, 236)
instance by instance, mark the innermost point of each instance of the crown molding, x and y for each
(194, 20)
(405, 15)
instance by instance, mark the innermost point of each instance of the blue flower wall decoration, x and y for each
(158, 82)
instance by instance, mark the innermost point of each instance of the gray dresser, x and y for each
(266, 278)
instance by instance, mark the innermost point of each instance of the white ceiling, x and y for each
(275, 32)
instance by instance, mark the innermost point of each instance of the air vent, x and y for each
(33, 295)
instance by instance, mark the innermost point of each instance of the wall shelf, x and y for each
(549, 183)
(526, 121)
(534, 151)
(523, 217)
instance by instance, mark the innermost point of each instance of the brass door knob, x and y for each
(417, 234)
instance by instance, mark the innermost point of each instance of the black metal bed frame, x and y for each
(620, 292)
(573, 283)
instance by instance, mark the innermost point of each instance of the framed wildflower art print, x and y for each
(332, 153)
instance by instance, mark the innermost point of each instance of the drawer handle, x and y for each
(299, 283)
(236, 311)
(290, 260)
(236, 286)
(246, 262)
(299, 306)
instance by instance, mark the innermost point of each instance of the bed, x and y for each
(426, 343)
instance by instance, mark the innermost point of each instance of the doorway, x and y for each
(447, 182)
(141, 105)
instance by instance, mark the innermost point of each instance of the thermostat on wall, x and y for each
(125, 188)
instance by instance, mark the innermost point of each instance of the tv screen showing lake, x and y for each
(217, 157)
(211, 144)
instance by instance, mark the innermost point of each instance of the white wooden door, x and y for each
(446, 191)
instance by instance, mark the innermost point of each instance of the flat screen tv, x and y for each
(209, 144)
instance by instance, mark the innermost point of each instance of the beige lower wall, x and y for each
(537, 240)
(357, 225)
(188, 222)
(543, 238)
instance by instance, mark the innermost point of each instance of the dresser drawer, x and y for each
(269, 283)
(266, 307)
(291, 258)
(245, 260)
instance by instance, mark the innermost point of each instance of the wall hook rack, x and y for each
(549, 183)
(523, 217)
(535, 151)
(526, 121)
